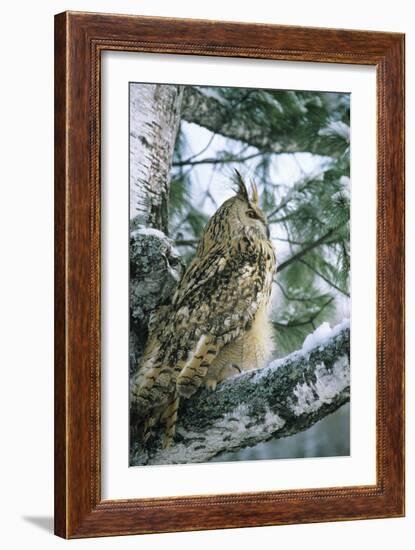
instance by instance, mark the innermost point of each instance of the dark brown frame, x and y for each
(79, 40)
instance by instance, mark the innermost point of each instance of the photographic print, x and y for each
(239, 340)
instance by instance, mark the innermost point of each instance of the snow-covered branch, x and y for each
(282, 399)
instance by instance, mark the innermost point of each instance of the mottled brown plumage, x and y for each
(216, 324)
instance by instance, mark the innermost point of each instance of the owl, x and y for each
(216, 325)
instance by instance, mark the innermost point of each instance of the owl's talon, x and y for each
(167, 441)
(184, 389)
(211, 384)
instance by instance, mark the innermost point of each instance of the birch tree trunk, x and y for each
(155, 266)
(154, 121)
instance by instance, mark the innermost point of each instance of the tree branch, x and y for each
(233, 121)
(287, 397)
(308, 248)
(186, 242)
(326, 279)
(304, 322)
(216, 160)
(294, 192)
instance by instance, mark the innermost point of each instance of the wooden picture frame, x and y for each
(79, 40)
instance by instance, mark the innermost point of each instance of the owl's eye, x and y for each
(251, 214)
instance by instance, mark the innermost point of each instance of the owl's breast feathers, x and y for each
(216, 302)
(225, 287)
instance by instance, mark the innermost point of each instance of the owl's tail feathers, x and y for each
(169, 418)
(165, 418)
(148, 425)
(152, 386)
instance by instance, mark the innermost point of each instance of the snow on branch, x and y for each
(288, 396)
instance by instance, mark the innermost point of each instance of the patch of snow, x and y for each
(316, 338)
(275, 103)
(150, 231)
(276, 364)
(319, 338)
(339, 196)
(211, 92)
(336, 127)
(317, 101)
(322, 335)
(300, 106)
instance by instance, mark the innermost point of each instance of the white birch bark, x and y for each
(154, 121)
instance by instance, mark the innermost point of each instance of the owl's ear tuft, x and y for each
(241, 189)
(254, 194)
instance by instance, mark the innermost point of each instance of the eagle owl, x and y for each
(216, 324)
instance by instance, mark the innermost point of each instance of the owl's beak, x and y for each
(268, 231)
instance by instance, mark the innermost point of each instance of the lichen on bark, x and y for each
(155, 268)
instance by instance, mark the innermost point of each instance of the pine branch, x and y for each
(292, 298)
(298, 255)
(293, 194)
(302, 323)
(326, 279)
(227, 119)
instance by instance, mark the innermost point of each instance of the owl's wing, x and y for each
(215, 302)
(199, 272)
(221, 290)
(222, 297)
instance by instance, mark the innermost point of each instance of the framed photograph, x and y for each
(229, 275)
